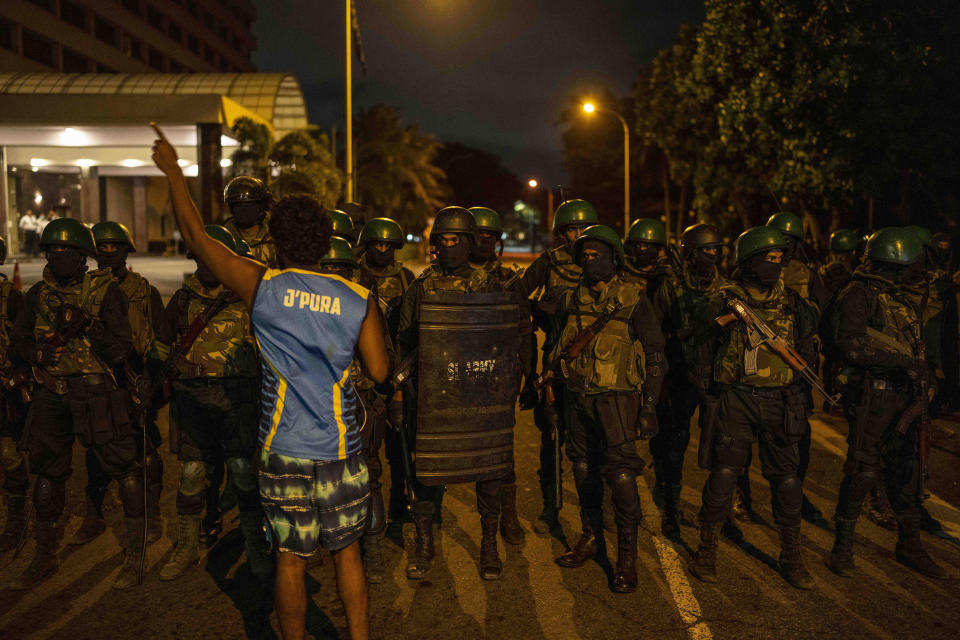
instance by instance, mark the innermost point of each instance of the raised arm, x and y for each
(240, 275)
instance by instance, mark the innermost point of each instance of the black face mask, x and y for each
(115, 261)
(206, 276)
(915, 273)
(641, 258)
(247, 214)
(765, 273)
(66, 264)
(601, 268)
(702, 263)
(458, 255)
(485, 249)
(380, 258)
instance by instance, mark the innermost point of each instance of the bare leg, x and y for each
(290, 600)
(352, 586)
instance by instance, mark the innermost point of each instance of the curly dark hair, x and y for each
(301, 228)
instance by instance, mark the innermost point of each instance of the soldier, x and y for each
(13, 411)
(484, 256)
(214, 408)
(877, 337)
(114, 244)
(610, 396)
(75, 332)
(454, 235)
(343, 226)
(842, 262)
(552, 269)
(681, 304)
(645, 246)
(250, 202)
(387, 279)
(758, 396)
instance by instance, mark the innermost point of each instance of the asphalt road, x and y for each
(535, 598)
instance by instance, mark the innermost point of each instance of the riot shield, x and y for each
(468, 378)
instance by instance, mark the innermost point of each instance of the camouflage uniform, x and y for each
(259, 241)
(13, 412)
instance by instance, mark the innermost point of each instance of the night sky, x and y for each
(493, 74)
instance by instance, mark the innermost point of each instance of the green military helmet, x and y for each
(113, 232)
(3, 250)
(844, 240)
(220, 234)
(340, 253)
(245, 189)
(700, 235)
(68, 233)
(343, 226)
(647, 230)
(574, 211)
(381, 230)
(926, 238)
(604, 234)
(757, 240)
(454, 220)
(243, 248)
(487, 219)
(788, 223)
(896, 245)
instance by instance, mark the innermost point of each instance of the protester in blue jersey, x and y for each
(313, 477)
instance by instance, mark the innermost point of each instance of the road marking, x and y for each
(673, 570)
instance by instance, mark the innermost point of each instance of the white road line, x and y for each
(673, 570)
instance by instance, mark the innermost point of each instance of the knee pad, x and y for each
(131, 495)
(788, 490)
(623, 486)
(581, 471)
(241, 473)
(10, 458)
(733, 453)
(193, 478)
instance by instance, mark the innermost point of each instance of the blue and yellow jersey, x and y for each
(307, 325)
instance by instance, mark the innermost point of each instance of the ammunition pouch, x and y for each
(619, 413)
(99, 409)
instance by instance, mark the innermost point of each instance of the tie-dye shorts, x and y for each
(312, 503)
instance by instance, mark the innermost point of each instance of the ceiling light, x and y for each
(191, 171)
(35, 169)
(85, 162)
(38, 162)
(131, 163)
(183, 163)
(37, 198)
(73, 138)
(225, 162)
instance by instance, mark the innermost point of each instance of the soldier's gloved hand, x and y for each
(529, 396)
(395, 414)
(71, 320)
(647, 426)
(47, 354)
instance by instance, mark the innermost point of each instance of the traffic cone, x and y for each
(17, 282)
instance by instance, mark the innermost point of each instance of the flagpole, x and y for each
(348, 165)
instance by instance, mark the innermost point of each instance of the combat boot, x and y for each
(186, 552)
(625, 578)
(373, 557)
(510, 527)
(703, 563)
(130, 571)
(45, 562)
(791, 559)
(258, 556)
(16, 524)
(910, 551)
(420, 564)
(840, 560)
(91, 527)
(490, 565)
(584, 550)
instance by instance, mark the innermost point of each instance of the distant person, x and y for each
(314, 483)
(41, 224)
(28, 229)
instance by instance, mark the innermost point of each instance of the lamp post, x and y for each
(532, 183)
(589, 107)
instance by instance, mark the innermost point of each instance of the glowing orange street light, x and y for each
(532, 183)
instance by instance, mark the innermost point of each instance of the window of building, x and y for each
(136, 49)
(208, 54)
(193, 44)
(175, 67)
(73, 13)
(104, 31)
(173, 30)
(37, 48)
(7, 35)
(154, 17)
(154, 59)
(43, 4)
(73, 62)
(133, 6)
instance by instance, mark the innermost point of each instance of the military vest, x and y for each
(684, 304)
(614, 360)
(5, 325)
(225, 348)
(258, 238)
(387, 284)
(899, 320)
(564, 272)
(462, 281)
(78, 357)
(137, 290)
(796, 277)
(733, 363)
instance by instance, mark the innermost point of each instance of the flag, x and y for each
(357, 41)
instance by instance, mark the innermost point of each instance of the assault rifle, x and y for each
(569, 353)
(518, 272)
(918, 412)
(758, 334)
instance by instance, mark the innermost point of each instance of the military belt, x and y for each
(766, 392)
(52, 383)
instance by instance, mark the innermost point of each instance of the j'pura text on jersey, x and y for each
(312, 301)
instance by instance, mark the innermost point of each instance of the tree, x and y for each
(254, 142)
(397, 175)
(478, 178)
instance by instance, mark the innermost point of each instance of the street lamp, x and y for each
(532, 183)
(589, 107)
